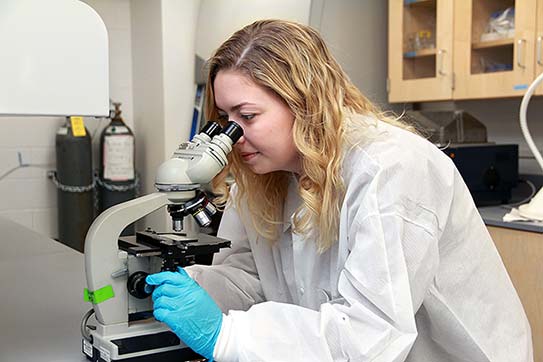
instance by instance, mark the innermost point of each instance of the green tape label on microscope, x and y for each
(100, 295)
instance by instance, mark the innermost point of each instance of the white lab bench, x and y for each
(41, 301)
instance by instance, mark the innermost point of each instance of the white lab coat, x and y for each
(414, 275)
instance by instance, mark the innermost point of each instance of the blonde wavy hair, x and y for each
(293, 61)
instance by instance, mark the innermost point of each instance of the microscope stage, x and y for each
(179, 247)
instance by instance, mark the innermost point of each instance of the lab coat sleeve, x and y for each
(232, 280)
(381, 292)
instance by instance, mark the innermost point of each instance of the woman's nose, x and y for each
(240, 141)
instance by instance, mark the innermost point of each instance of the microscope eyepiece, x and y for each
(233, 131)
(211, 129)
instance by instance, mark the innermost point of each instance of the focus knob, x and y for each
(137, 287)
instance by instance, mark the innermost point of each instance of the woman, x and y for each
(353, 238)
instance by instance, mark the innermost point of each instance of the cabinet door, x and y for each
(420, 50)
(539, 45)
(493, 49)
(522, 254)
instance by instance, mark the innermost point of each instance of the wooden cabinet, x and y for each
(420, 50)
(501, 67)
(522, 254)
(465, 59)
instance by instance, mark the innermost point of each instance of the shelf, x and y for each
(428, 3)
(420, 53)
(493, 43)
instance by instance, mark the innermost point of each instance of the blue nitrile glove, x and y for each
(187, 309)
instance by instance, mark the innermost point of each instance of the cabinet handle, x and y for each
(520, 50)
(441, 54)
(539, 41)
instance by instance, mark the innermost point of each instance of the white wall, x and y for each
(26, 195)
(218, 19)
(163, 53)
(116, 16)
(356, 33)
(179, 19)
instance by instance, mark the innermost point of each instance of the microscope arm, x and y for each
(102, 253)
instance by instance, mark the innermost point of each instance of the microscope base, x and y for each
(123, 343)
(168, 356)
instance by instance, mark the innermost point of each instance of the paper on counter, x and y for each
(514, 215)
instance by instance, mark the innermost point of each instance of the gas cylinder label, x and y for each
(119, 158)
(78, 127)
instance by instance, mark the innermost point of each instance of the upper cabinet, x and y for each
(420, 50)
(479, 48)
(494, 44)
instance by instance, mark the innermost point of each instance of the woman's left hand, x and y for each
(187, 309)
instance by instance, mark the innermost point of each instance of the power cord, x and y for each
(533, 190)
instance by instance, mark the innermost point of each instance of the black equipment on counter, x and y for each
(74, 182)
(489, 170)
(117, 176)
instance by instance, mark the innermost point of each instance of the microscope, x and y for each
(124, 328)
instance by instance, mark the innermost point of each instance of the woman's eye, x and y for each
(247, 116)
(222, 118)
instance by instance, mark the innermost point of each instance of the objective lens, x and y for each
(177, 225)
(202, 218)
(210, 208)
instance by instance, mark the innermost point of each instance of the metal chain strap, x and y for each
(95, 180)
(52, 175)
(96, 203)
(118, 188)
(68, 188)
(109, 187)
